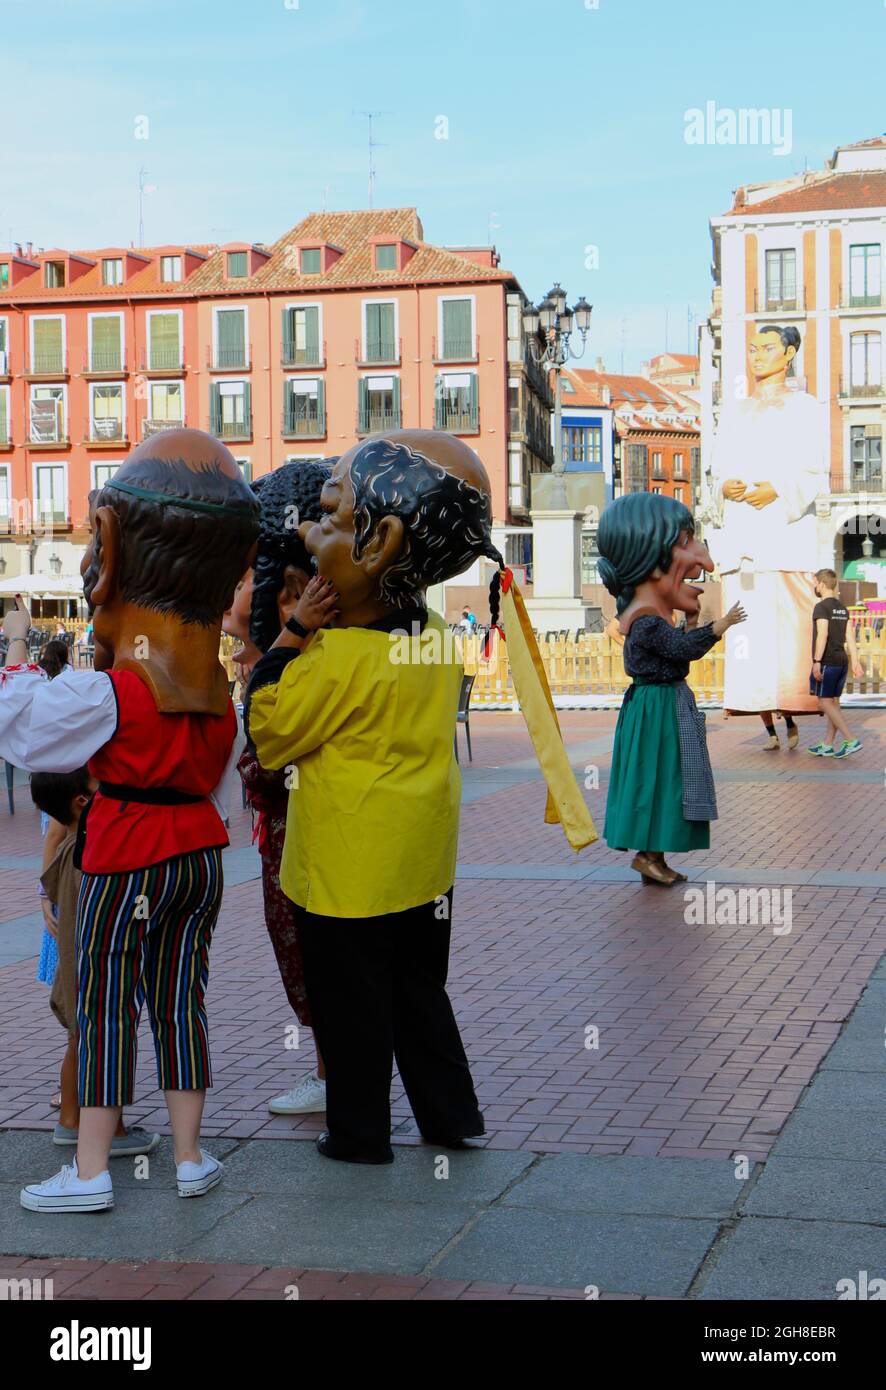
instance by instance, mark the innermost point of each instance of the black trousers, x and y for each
(377, 991)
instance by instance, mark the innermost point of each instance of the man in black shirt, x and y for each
(832, 633)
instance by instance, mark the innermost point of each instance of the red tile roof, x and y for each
(863, 189)
(686, 359)
(350, 231)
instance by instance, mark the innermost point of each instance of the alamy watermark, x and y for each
(710, 906)
(726, 125)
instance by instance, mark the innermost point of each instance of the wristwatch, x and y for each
(294, 626)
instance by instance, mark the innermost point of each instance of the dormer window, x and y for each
(386, 257)
(170, 269)
(310, 261)
(112, 271)
(237, 265)
(4, 275)
(54, 275)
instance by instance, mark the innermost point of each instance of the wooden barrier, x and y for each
(592, 665)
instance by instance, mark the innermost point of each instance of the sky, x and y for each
(565, 125)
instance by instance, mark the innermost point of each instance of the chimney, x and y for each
(644, 369)
(607, 396)
(18, 248)
(30, 249)
(601, 365)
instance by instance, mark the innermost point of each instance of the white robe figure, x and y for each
(767, 556)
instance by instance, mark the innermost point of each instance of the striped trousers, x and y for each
(145, 936)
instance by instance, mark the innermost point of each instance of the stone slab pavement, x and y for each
(676, 1108)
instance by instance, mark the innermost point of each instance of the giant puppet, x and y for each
(768, 467)
(661, 788)
(172, 533)
(357, 698)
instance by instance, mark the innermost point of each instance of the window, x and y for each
(678, 465)
(4, 275)
(866, 443)
(230, 338)
(5, 501)
(54, 275)
(781, 279)
(657, 491)
(583, 445)
(301, 336)
(47, 414)
(170, 269)
(864, 363)
(310, 261)
(166, 407)
(304, 408)
(4, 360)
(457, 330)
(112, 271)
(103, 473)
(163, 336)
(380, 332)
(236, 265)
(230, 410)
(678, 494)
(386, 257)
(50, 492)
(106, 343)
(864, 276)
(379, 404)
(657, 469)
(4, 415)
(246, 469)
(47, 346)
(457, 402)
(107, 412)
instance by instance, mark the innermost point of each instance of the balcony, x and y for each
(162, 361)
(150, 427)
(456, 350)
(378, 421)
(232, 429)
(859, 480)
(314, 355)
(537, 378)
(105, 362)
(788, 302)
(52, 363)
(456, 421)
(106, 432)
(301, 425)
(860, 391)
(382, 353)
(230, 359)
(860, 301)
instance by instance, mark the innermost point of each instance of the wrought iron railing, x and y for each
(377, 421)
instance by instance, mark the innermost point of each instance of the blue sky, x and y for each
(566, 126)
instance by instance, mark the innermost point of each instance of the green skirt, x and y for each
(644, 808)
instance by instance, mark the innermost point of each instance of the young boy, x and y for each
(63, 796)
(832, 633)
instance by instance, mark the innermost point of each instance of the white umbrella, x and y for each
(42, 586)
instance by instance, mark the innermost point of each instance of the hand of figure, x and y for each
(760, 495)
(733, 490)
(51, 924)
(816, 670)
(735, 615)
(858, 671)
(317, 605)
(17, 622)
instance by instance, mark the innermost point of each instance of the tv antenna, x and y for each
(374, 145)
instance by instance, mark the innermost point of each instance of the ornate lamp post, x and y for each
(557, 322)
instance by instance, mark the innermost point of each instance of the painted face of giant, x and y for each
(768, 357)
(689, 559)
(400, 512)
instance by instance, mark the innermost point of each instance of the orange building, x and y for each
(350, 324)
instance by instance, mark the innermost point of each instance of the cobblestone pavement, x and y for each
(704, 1036)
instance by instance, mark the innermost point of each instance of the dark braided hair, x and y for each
(446, 520)
(287, 496)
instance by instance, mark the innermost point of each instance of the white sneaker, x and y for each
(68, 1192)
(196, 1178)
(307, 1098)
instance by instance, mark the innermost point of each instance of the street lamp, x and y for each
(558, 323)
(2, 565)
(55, 565)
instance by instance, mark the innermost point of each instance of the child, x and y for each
(832, 633)
(62, 796)
(661, 788)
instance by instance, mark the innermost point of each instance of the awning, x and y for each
(42, 586)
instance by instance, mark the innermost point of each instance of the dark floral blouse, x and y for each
(661, 653)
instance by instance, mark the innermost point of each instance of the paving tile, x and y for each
(772, 1259)
(823, 1189)
(638, 1185)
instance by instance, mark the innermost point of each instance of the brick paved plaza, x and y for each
(609, 1167)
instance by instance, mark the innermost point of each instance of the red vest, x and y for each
(187, 752)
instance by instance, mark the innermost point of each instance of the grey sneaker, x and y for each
(135, 1141)
(306, 1098)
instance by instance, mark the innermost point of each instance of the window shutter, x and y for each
(231, 337)
(396, 399)
(475, 400)
(312, 334)
(47, 343)
(3, 422)
(214, 409)
(321, 406)
(457, 327)
(164, 340)
(247, 406)
(362, 395)
(106, 355)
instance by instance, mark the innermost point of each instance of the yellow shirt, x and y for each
(366, 722)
